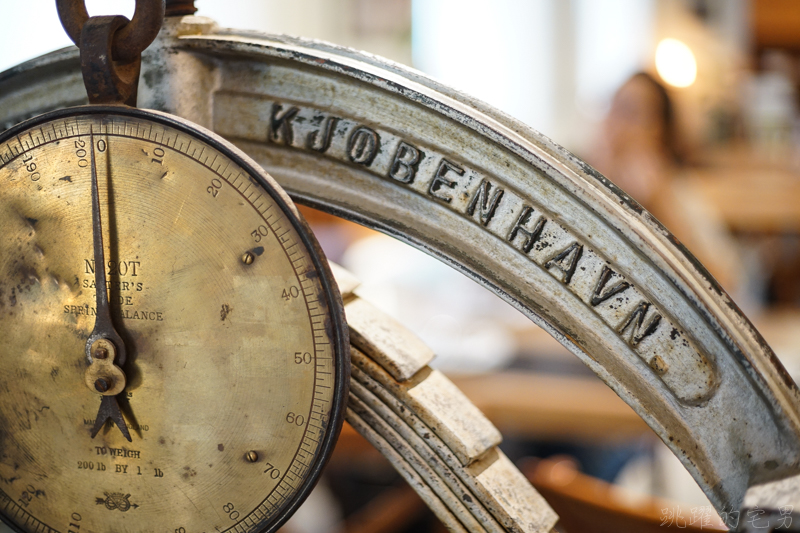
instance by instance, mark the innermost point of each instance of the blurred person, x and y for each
(639, 150)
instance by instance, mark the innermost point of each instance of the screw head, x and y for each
(248, 258)
(252, 456)
(103, 384)
(101, 353)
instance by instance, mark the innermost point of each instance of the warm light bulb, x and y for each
(675, 63)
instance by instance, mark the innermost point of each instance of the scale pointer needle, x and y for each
(109, 409)
(105, 349)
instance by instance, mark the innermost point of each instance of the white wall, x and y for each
(553, 64)
(501, 51)
(31, 27)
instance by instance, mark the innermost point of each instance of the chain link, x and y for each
(131, 39)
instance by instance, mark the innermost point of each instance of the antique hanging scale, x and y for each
(174, 356)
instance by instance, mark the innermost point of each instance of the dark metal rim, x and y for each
(333, 299)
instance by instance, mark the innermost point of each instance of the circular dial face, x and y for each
(235, 354)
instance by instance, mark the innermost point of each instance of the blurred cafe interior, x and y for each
(690, 106)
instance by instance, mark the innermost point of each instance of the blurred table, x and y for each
(553, 407)
(752, 190)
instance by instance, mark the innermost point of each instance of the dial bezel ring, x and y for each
(336, 325)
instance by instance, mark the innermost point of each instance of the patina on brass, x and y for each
(235, 371)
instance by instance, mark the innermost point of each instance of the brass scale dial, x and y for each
(174, 354)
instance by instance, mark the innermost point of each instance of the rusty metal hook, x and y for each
(130, 40)
(107, 81)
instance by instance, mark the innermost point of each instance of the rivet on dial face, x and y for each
(248, 258)
(252, 456)
(103, 384)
